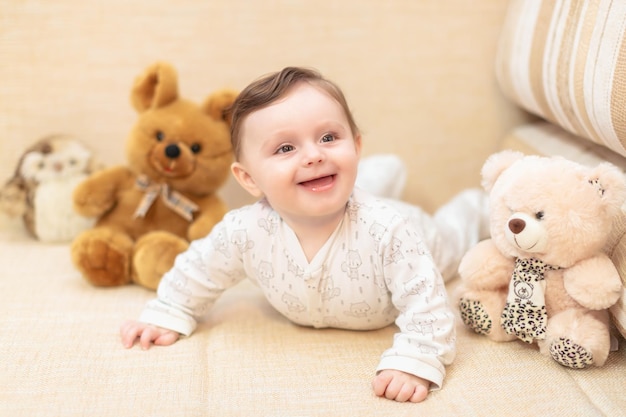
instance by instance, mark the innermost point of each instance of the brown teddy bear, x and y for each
(178, 156)
(543, 276)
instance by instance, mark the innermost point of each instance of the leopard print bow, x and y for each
(172, 199)
(524, 314)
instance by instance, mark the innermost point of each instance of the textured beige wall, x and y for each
(418, 74)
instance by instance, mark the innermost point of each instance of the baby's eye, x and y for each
(285, 149)
(328, 138)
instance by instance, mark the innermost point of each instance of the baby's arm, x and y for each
(400, 386)
(187, 291)
(415, 364)
(147, 334)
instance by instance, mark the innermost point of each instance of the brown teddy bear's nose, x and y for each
(172, 151)
(517, 225)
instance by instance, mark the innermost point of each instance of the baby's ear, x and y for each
(496, 164)
(245, 180)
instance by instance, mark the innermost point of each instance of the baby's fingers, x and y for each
(148, 335)
(129, 331)
(380, 383)
(166, 339)
(420, 394)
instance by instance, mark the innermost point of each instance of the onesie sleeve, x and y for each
(426, 341)
(199, 276)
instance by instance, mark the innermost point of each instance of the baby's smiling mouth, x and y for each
(319, 184)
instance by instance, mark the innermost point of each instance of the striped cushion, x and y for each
(565, 61)
(549, 140)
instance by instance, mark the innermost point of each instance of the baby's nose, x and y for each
(314, 155)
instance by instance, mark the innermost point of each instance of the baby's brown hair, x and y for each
(266, 90)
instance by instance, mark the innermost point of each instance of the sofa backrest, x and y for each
(565, 61)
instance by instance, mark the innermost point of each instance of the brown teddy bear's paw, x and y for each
(570, 354)
(153, 256)
(103, 261)
(474, 316)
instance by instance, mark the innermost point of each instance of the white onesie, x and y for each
(376, 268)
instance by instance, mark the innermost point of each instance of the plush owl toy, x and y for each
(41, 188)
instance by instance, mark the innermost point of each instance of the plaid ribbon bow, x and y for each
(525, 314)
(172, 199)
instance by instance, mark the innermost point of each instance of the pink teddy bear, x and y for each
(543, 276)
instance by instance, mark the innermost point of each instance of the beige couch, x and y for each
(420, 78)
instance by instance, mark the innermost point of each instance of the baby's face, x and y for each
(300, 154)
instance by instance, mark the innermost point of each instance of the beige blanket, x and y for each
(61, 356)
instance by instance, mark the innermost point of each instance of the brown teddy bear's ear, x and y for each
(495, 165)
(218, 104)
(156, 87)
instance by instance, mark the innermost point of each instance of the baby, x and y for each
(349, 260)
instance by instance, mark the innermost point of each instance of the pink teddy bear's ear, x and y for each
(611, 185)
(496, 164)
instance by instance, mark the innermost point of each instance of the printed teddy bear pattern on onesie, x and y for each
(347, 282)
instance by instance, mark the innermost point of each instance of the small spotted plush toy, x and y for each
(543, 276)
(41, 189)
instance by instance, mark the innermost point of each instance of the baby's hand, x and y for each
(147, 334)
(400, 386)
